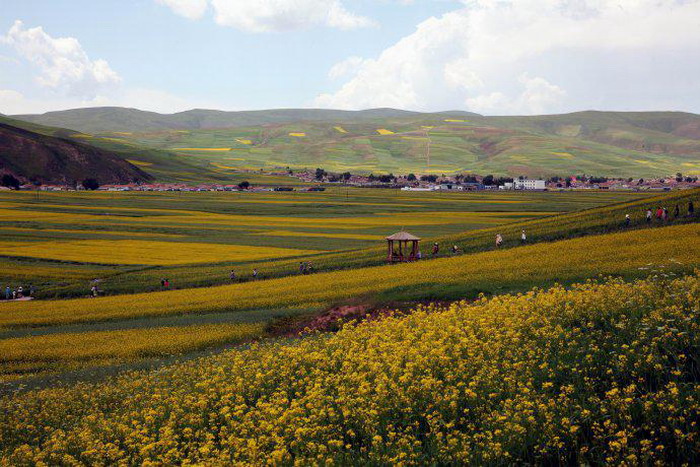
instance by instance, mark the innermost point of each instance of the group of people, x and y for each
(662, 214)
(19, 292)
(306, 268)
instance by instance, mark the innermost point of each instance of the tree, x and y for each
(10, 181)
(429, 178)
(320, 173)
(386, 178)
(679, 177)
(244, 185)
(347, 175)
(90, 184)
(411, 178)
(487, 180)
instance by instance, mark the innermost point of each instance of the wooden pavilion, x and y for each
(408, 249)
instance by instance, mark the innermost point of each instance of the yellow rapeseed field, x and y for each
(603, 373)
(142, 251)
(384, 132)
(35, 353)
(298, 135)
(605, 254)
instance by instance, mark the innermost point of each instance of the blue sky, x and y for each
(489, 56)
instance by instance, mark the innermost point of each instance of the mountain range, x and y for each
(211, 144)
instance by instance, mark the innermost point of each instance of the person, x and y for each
(454, 249)
(436, 249)
(93, 291)
(499, 240)
(32, 289)
(166, 284)
(676, 212)
(232, 275)
(691, 209)
(8, 292)
(20, 292)
(255, 273)
(162, 282)
(523, 237)
(649, 214)
(419, 256)
(309, 267)
(302, 267)
(627, 220)
(664, 214)
(659, 213)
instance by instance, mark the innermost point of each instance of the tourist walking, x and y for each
(20, 292)
(676, 212)
(232, 275)
(255, 273)
(659, 213)
(664, 214)
(454, 249)
(93, 291)
(302, 267)
(499, 240)
(649, 214)
(523, 237)
(691, 209)
(436, 249)
(627, 220)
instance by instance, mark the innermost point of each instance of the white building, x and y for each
(529, 184)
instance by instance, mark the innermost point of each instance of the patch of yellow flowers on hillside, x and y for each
(598, 373)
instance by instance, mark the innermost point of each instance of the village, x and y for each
(319, 179)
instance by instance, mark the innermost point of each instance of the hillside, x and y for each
(40, 158)
(109, 119)
(616, 144)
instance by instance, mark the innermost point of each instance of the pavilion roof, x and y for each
(402, 236)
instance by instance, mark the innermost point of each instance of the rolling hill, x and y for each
(617, 144)
(37, 157)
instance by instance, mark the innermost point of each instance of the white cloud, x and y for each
(285, 15)
(191, 9)
(525, 56)
(345, 68)
(63, 64)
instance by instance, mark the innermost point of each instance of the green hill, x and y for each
(635, 144)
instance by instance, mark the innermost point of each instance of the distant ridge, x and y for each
(107, 119)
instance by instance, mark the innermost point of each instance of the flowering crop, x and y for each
(60, 350)
(602, 373)
(536, 264)
(143, 251)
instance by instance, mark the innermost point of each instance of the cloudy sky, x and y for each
(496, 57)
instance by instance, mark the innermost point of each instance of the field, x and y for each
(130, 241)
(596, 374)
(40, 338)
(576, 346)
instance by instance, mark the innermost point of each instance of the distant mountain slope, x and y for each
(619, 144)
(32, 156)
(109, 119)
